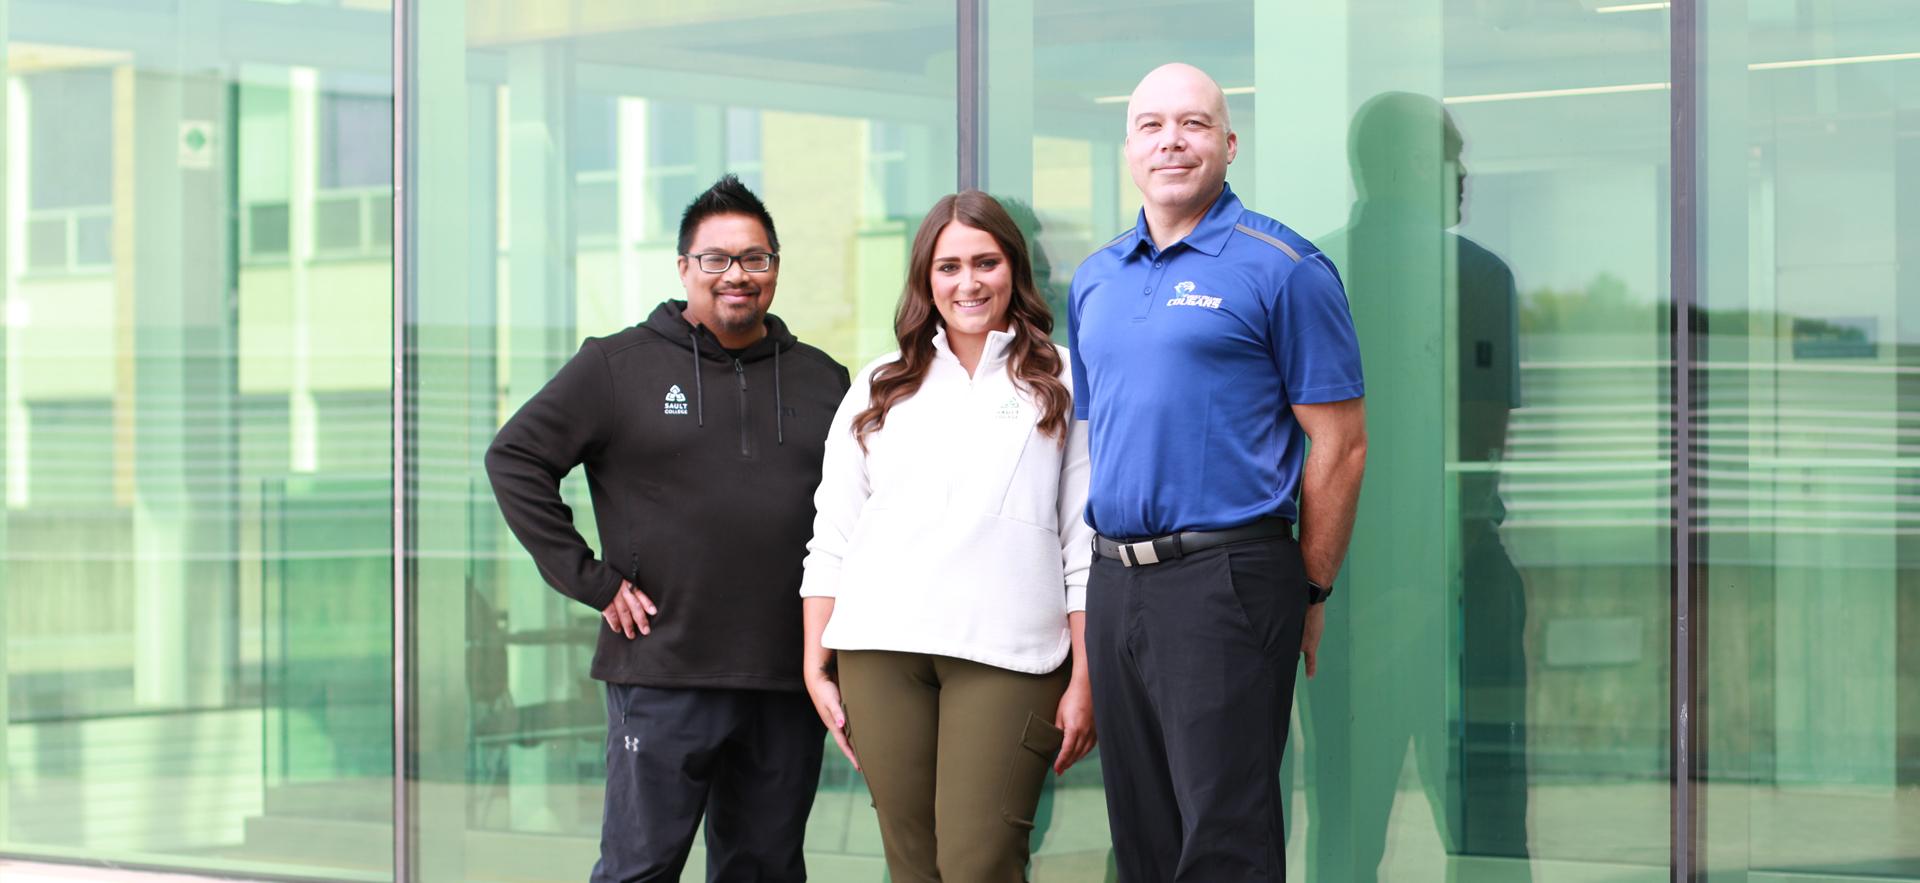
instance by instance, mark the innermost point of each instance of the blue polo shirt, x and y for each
(1187, 362)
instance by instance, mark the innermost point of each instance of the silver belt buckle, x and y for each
(1138, 553)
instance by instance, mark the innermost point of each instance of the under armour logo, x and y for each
(633, 743)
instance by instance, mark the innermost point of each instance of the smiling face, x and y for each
(731, 305)
(972, 283)
(1179, 142)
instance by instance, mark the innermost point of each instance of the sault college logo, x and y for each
(1183, 296)
(676, 401)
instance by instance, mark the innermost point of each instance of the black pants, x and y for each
(749, 760)
(1193, 664)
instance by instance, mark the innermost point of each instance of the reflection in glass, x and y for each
(1411, 185)
(196, 540)
(1810, 170)
(550, 196)
(194, 379)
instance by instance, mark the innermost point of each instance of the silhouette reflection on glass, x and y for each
(1404, 265)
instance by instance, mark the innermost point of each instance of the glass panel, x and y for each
(267, 229)
(356, 133)
(1491, 181)
(93, 240)
(65, 112)
(1810, 165)
(336, 223)
(558, 149)
(47, 243)
(195, 540)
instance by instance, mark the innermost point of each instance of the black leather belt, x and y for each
(1187, 542)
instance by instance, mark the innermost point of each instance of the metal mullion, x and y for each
(967, 89)
(404, 12)
(1686, 623)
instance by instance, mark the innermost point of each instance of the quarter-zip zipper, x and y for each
(740, 373)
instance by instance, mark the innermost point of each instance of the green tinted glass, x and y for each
(616, 116)
(196, 538)
(1810, 242)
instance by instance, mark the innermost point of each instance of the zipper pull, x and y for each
(740, 371)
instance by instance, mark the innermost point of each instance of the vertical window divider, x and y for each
(967, 93)
(1685, 640)
(404, 12)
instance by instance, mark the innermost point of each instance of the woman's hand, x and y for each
(826, 703)
(1075, 720)
(1075, 717)
(816, 671)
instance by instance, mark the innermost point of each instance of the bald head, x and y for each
(1181, 82)
(1179, 143)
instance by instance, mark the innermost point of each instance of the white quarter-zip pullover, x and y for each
(960, 531)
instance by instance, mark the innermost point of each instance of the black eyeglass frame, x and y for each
(700, 260)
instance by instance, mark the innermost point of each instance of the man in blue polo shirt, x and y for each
(1210, 343)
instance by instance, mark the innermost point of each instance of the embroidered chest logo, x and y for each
(676, 402)
(1183, 296)
(1008, 410)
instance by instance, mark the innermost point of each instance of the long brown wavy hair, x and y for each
(1034, 363)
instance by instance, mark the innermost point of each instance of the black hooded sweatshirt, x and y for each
(702, 465)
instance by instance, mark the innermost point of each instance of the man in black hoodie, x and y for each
(702, 432)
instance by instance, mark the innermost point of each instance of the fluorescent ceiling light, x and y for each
(1633, 7)
(1611, 90)
(1825, 62)
(1555, 93)
(1122, 99)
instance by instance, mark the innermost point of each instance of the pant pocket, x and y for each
(1027, 770)
(1269, 587)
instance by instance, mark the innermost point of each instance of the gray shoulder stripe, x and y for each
(1268, 240)
(1116, 240)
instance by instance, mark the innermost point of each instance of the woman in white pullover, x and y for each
(946, 578)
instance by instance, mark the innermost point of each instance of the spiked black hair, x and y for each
(727, 196)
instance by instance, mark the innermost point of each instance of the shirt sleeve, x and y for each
(1315, 349)
(1080, 394)
(1076, 537)
(837, 503)
(560, 427)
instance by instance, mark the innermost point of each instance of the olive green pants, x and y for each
(955, 753)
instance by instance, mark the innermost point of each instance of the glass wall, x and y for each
(195, 540)
(557, 147)
(197, 549)
(1810, 297)
(1493, 698)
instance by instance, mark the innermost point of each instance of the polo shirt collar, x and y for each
(1213, 231)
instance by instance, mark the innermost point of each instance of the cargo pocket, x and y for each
(1027, 772)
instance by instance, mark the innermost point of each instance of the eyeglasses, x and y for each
(752, 262)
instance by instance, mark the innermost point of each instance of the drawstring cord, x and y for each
(699, 393)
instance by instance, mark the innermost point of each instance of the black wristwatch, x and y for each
(1317, 593)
